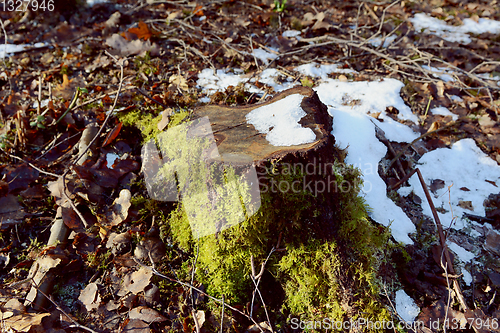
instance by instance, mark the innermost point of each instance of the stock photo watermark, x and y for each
(353, 324)
(366, 324)
(314, 177)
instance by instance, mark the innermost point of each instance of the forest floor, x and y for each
(85, 64)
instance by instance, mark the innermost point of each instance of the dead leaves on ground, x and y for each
(135, 41)
(97, 189)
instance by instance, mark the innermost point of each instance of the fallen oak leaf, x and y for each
(26, 322)
(142, 31)
(147, 314)
(165, 118)
(112, 134)
(136, 282)
(198, 11)
(126, 48)
(135, 325)
(178, 81)
(67, 87)
(119, 211)
(90, 297)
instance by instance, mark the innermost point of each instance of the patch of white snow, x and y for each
(432, 25)
(406, 307)
(279, 121)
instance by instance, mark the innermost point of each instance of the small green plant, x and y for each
(307, 82)
(279, 5)
(38, 122)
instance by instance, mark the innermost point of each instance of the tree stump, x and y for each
(296, 204)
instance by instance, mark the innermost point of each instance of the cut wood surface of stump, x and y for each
(236, 135)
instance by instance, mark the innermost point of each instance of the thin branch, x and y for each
(31, 165)
(222, 316)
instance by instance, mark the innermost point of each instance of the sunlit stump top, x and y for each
(293, 122)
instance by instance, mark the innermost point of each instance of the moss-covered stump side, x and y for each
(324, 249)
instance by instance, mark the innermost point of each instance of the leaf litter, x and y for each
(177, 55)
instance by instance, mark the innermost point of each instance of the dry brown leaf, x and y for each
(14, 306)
(198, 11)
(165, 118)
(436, 184)
(27, 322)
(136, 326)
(38, 273)
(101, 61)
(486, 121)
(174, 15)
(136, 282)
(11, 212)
(258, 328)
(492, 242)
(90, 297)
(147, 314)
(126, 48)
(119, 211)
(6, 314)
(308, 19)
(151, 247)
(67, 88)
(142, 31)
(70, 218)
(434, 126)
(113, 20)
(466, 205)
(440, 88)
(342, 78)
(199, 316)
(118, 243)
(179, 81)
(20, 176)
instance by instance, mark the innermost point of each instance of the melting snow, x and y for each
(442, 111)
(263, 55)
(406, 307)
(279, 121)
(442, 73)
(466, 276)
(211, 82)
(94, 2)
(6, 49)
(315, 70)
(291, 33)
(377, 41)
(461, 253)
(272, 77)
(468, 169)
(349, 103)
(451, 33)
(110, 159)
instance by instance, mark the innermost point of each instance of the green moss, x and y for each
(311, 272)
(178, 117)
(315, 263)
(145, 122)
